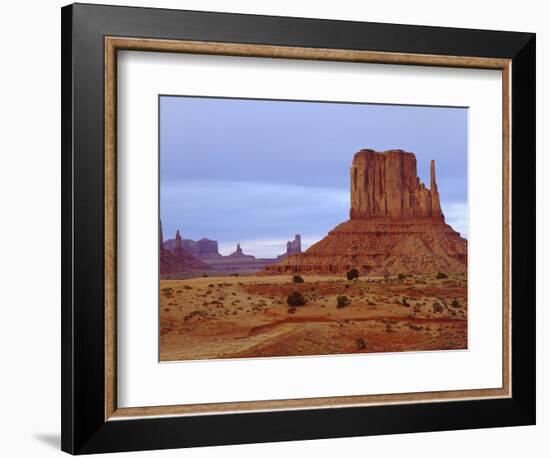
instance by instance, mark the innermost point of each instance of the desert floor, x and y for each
(247, 316)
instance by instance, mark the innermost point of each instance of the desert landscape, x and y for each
(392, 278)
(242, 317)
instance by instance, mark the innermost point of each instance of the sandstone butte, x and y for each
(396, 225)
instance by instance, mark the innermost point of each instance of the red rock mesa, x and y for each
(396, 224)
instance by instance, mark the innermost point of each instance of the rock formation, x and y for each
(292, 247)
(204, 249)
(238, 254)
(178, 248)
(180, 257)
(238, 262)
(177, 262)
(396, 224)
(207, 249)
(385, 185)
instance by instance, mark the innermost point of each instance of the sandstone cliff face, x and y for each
(386, 185)
(396, 224)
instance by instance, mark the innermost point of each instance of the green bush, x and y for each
(342, 301)
(401, 276)
(295, 299)
(441, 275)
(297, 279)
(352, 274)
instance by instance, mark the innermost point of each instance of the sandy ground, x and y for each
(248, 316)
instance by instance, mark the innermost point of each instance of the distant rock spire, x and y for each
(238, 253)
(433, 184)
(294, 246)
(434, 193)
(178, 248)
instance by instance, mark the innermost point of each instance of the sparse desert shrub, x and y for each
(352, 274)
(297, 279)
(455, 304)
(168, 292)
(187, 287)
(196, 313)
(401, 277)
(437, 308)
(296, 299)
(405, 303)
(361, 344)
(291, 310)
(342, 301)
(441, 275)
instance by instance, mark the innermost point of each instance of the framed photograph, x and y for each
(283, 228)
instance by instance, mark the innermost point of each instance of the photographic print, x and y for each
(299, 228)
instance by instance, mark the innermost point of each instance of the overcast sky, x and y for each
(257, 171)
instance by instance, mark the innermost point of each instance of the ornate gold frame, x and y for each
(114, 44)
